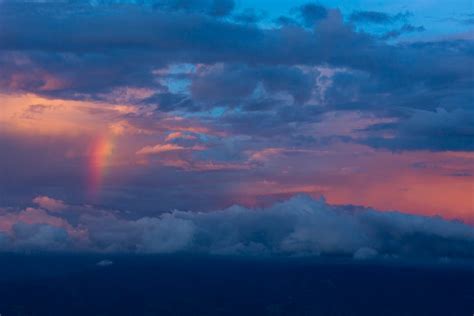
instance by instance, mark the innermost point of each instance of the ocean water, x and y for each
(64, 285)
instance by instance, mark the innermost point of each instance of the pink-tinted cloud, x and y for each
(179, 135)
(49, 204)
(160, 148)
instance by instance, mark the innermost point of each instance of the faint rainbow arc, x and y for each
(99, 157)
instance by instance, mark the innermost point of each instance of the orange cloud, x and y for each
(30, 114)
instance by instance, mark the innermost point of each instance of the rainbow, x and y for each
(99, 154)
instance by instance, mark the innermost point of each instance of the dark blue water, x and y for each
(189, 285)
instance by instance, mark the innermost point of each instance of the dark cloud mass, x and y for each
(98, 48)
(377, 17)
(211, 7)
(227, 84)
(406, 28)
(311, 13)
(439, 130)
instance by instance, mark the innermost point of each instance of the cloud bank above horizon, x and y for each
(300, 226)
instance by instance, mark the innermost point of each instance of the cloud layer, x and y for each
(297, 227)
(155, 105)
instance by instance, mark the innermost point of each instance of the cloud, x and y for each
(298, 226)
(104, 263)
(211, 7)
(235, 85)
(40, 237)
(49, 204)
(208, 90)
(406, 28)
(377, 17)
(255, 68)
(438, 130)
(365, 253)
(312, 13)
(162, 148)
(180, 135)
(159, 149)
(165, 234)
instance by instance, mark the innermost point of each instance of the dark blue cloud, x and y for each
(261, 70)
(406, 28)
(235, 84)
(211, 7)
(440, 130)
(377, 17)
(311, 13)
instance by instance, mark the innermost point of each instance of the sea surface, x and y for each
(39, 284)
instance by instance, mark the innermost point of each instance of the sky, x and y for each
(150, 126)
